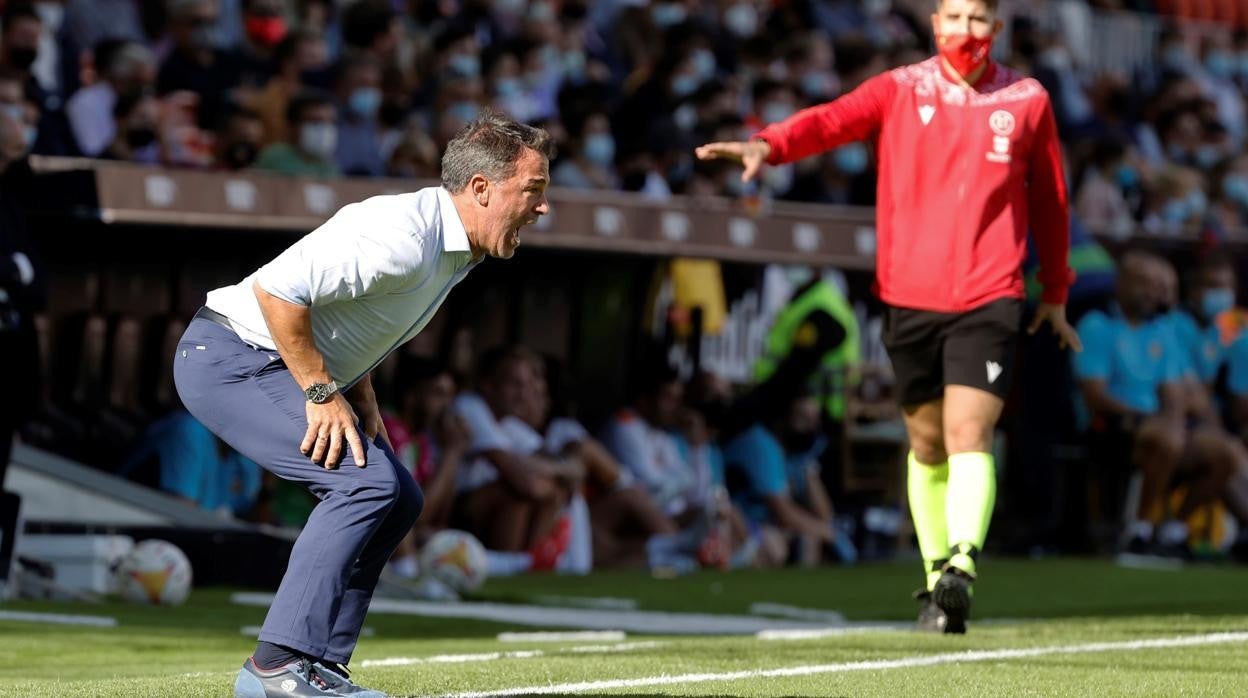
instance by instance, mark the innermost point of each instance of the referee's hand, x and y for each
(331, 426)
(751, 154)
(1055, 315)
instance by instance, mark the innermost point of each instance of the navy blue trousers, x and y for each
(248, 397)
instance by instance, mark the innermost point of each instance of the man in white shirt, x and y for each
(278, 366)
(507, 496)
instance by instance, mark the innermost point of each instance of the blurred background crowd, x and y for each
(691, 469)
(376, 88)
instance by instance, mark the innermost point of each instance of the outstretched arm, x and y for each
(853, 117)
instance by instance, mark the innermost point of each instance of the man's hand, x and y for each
(329, 426)
(363, 401)
(751, 154)
(1055, 315)
(452, 433)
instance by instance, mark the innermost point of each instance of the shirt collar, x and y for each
(454, 236)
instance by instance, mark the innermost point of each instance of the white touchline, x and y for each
(510, 654)
(59, 619)
(871, 665)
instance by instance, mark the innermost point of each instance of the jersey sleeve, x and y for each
(1048, 209)
(846, 119)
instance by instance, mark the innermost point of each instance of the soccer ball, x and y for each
(155, 572)
(456, 559)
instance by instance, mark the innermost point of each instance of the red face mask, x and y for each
(965, 52)
(266, 31)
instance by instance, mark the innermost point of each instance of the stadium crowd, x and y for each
(690, 472)
(375, 88)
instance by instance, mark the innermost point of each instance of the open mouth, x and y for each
(514, 236)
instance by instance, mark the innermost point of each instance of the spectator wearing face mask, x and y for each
(1176, 202)
(591, 165)
(136, 118)
(309, 152)
(1100, 201)
(238, 138)
(22, 29)
(264, 27)
(195, 65)
(300, 60)
(1131, 375)
(123, 67)
(358, 93)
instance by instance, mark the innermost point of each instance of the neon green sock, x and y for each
(925, 485)
(970, 499)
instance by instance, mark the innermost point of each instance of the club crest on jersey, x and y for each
(1002, 124)
(925, 113)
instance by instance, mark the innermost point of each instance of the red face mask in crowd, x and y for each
(965, 53)
(266, 31)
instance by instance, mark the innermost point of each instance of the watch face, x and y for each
(318, 393)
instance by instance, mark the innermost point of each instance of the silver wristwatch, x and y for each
(320, 393)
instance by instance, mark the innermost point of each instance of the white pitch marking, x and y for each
(647, 622)
(514, 654)
(584, 636)
(819, 633)
(781, 610)
(872, 665)
(59, 619)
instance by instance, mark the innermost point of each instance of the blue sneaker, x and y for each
(299, 679)
(339, 680)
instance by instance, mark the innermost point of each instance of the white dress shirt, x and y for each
(374, 274)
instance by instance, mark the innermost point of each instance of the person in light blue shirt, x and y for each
(1131, 375)
(194, 464)
(773, 472)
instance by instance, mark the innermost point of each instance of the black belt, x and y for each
(213, 316)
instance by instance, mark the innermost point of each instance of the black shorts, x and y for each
(930, 350)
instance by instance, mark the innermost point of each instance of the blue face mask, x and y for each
(1175, 211)
(814, 85)
(574, 65)
(775, 112)
(1126, 176)
(365, 101)
(465, 65)
(684, 85)
(703, 63)
(507, 87)
(686, 117)
(1235, 186)
(464, 111)
(1215, 301)
(1220, 64)
(1207, 156)
(852, 159)
(1197, 203)
(667, 14)
(600, 149)
(1176, 58)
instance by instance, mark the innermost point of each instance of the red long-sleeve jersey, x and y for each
(963, 173)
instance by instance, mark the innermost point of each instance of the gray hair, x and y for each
(490, 146)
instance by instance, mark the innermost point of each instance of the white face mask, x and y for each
(318, 139)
